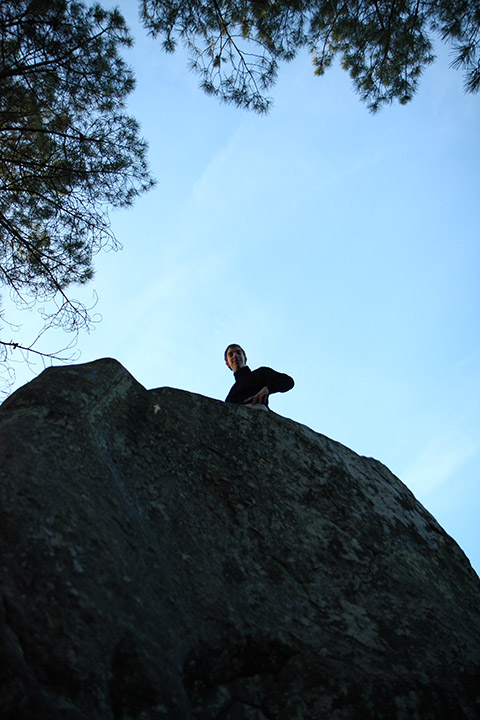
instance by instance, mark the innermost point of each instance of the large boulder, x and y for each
(167, 556)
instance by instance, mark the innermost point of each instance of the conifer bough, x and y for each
(236, 45)
(68, 151)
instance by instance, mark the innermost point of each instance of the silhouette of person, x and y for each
(253, 387)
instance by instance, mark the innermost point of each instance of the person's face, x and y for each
(236, 358)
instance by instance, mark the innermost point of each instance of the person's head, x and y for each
(235, 357)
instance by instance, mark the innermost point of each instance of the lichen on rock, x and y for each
(167, 556)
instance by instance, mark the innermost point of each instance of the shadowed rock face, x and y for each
(167, 556)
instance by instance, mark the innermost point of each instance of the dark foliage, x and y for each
(236, 45)
(68, 151)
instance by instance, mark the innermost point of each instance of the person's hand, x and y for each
(261, 397)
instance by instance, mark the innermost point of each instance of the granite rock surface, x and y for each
(165, 556)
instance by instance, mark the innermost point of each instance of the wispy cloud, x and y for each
(441, 461)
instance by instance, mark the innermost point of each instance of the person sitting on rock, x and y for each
(253, 387)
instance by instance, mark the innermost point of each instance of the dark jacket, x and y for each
(249, 382)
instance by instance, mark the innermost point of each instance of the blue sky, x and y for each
(335, 245)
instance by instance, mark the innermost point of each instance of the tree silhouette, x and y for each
(68, 151)
(236, 45)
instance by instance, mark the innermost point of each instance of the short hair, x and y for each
(234, 345)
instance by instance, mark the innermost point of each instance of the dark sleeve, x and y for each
(277, 382)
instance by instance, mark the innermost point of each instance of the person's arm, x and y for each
(260, 398)
(278, 382)
(275, 382)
